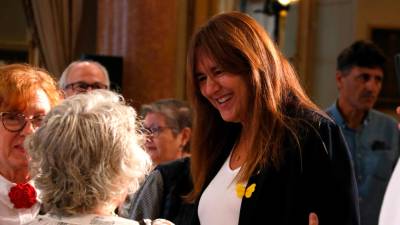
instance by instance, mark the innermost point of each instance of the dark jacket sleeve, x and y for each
(161, 195)
(177, 183)
(146, 202)
(331, 179)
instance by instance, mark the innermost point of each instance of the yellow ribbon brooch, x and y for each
(241, 190)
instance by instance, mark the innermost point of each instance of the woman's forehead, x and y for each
(32, 100)
(204, 59)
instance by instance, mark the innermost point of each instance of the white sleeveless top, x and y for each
(219, 203)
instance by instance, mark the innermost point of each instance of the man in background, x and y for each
(372, 136)
(82, 76)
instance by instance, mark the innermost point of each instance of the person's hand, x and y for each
(313, 219)
(398, 113)
(158, 222)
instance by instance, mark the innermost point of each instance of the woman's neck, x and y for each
(352, 116)
(239, 152)
(106, 210)
(16, 176)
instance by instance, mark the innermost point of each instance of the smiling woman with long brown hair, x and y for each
(262, 151)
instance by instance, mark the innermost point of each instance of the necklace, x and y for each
(236, 154)
(235, 157)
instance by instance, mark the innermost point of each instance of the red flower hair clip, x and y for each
(22, 196)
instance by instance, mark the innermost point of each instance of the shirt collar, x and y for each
(5, 186)
(337, 116)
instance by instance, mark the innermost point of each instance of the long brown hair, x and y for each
(238, 44)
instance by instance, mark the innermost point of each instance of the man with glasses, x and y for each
(83, 76)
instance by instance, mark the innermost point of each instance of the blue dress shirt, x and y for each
(374, 148)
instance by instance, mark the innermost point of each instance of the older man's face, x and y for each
(359, 87)
(84, 77)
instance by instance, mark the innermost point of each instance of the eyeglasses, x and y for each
(15, 122)
(81, 86)
(154, 131)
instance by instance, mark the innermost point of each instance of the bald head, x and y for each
(82, 76)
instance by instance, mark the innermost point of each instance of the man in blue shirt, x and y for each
(372, 136)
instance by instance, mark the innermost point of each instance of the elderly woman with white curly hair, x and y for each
(86, 156)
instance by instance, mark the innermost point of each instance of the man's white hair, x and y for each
(62, 83)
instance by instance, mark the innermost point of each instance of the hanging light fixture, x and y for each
(281, 8)
(286, 2)
(278, 9)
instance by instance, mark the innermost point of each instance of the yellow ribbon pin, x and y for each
(241, 190)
